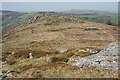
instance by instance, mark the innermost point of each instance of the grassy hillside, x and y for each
(12, 18)
(45, 35)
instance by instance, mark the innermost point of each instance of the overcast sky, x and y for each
(58, 6)
(60, 0)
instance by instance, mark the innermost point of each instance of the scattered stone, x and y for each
(91, 50)
(12, 73)
(29, 21)
(81, 50)
(9, 74)
(64, 50)
(31, 55)
(87, 50)
(13, 53)
(50, 60)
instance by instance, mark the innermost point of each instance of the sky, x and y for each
(60, 0)
(59, 6)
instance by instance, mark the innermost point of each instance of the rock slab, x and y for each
(104, 59)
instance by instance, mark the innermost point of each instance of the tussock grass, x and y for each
(55, 34)
(63, 57)
(39, 68)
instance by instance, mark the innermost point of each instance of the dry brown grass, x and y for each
(62, 70)
(39, 68)
(56, 37)
(47, 37)
(62, 57)
(73, 72)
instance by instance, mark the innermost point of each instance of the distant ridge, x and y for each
(8, 11)
(83, 12)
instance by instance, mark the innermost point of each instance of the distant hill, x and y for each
(84, 12)
(94, 15)
(8, 18)
(12, 18)
(7, 11)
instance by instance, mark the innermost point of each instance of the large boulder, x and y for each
(104, 59)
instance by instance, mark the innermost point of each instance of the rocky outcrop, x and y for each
(107, 58)
(56, 18)
(32, 20)
(9, 74)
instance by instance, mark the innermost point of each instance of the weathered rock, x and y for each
(32, 19)
(63, 50)
(29, 21)
(9, 74)
(82, 50)
(35, 18)
(75, 58)
(42, 18)
(100, 59)
(3, 76)
(91, 50)
(106, 64)
(87, 50)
